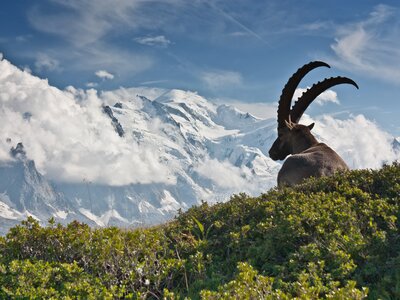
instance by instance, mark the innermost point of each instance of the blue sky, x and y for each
(229, 51)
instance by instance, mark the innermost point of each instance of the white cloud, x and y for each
(68, 135)
(220, 78)
(360, 142)
(45, 62)
(370, 47)
(323, 98)
(103, 74)
(223, 173)
(27, 69)
(91, 84)
(160, 41)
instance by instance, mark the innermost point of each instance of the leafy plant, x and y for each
(335, 237)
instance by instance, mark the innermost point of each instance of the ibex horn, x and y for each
(309, 96)
(289, 89)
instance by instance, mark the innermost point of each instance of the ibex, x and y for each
(309, 157)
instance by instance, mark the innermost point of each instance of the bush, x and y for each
(43, 280)
(334, 238)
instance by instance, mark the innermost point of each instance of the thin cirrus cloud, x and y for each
(103, 56)
(84, 28)
(46, 63)
(370, 47)
(159, 40)
(221, 78)
(84, 22)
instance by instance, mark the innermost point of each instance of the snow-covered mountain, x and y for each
(210, 151)
(136, 156)
(204, 152)
(25, 192)
(206, 157)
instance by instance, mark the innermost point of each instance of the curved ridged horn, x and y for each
(309, 96)
(290, 87)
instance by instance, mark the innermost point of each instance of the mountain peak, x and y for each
(180, 96)
(18, 152)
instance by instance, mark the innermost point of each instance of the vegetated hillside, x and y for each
(335, 238)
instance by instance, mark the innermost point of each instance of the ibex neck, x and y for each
(303, 143)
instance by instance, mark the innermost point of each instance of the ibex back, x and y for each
(309, 157)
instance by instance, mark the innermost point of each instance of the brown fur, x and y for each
(318, 160)
(309, 157)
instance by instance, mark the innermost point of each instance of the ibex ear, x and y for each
(311, 126)
(289, 124)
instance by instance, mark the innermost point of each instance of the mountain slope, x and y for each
(330, 238)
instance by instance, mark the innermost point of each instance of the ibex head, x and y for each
(293, 137)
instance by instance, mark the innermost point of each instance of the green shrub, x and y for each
(43, 280)
(248, 284)
(335, 238)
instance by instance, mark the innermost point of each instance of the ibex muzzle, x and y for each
(309, 157)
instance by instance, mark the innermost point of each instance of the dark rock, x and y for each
(117, 126)
(27, 115)
(18, 151)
